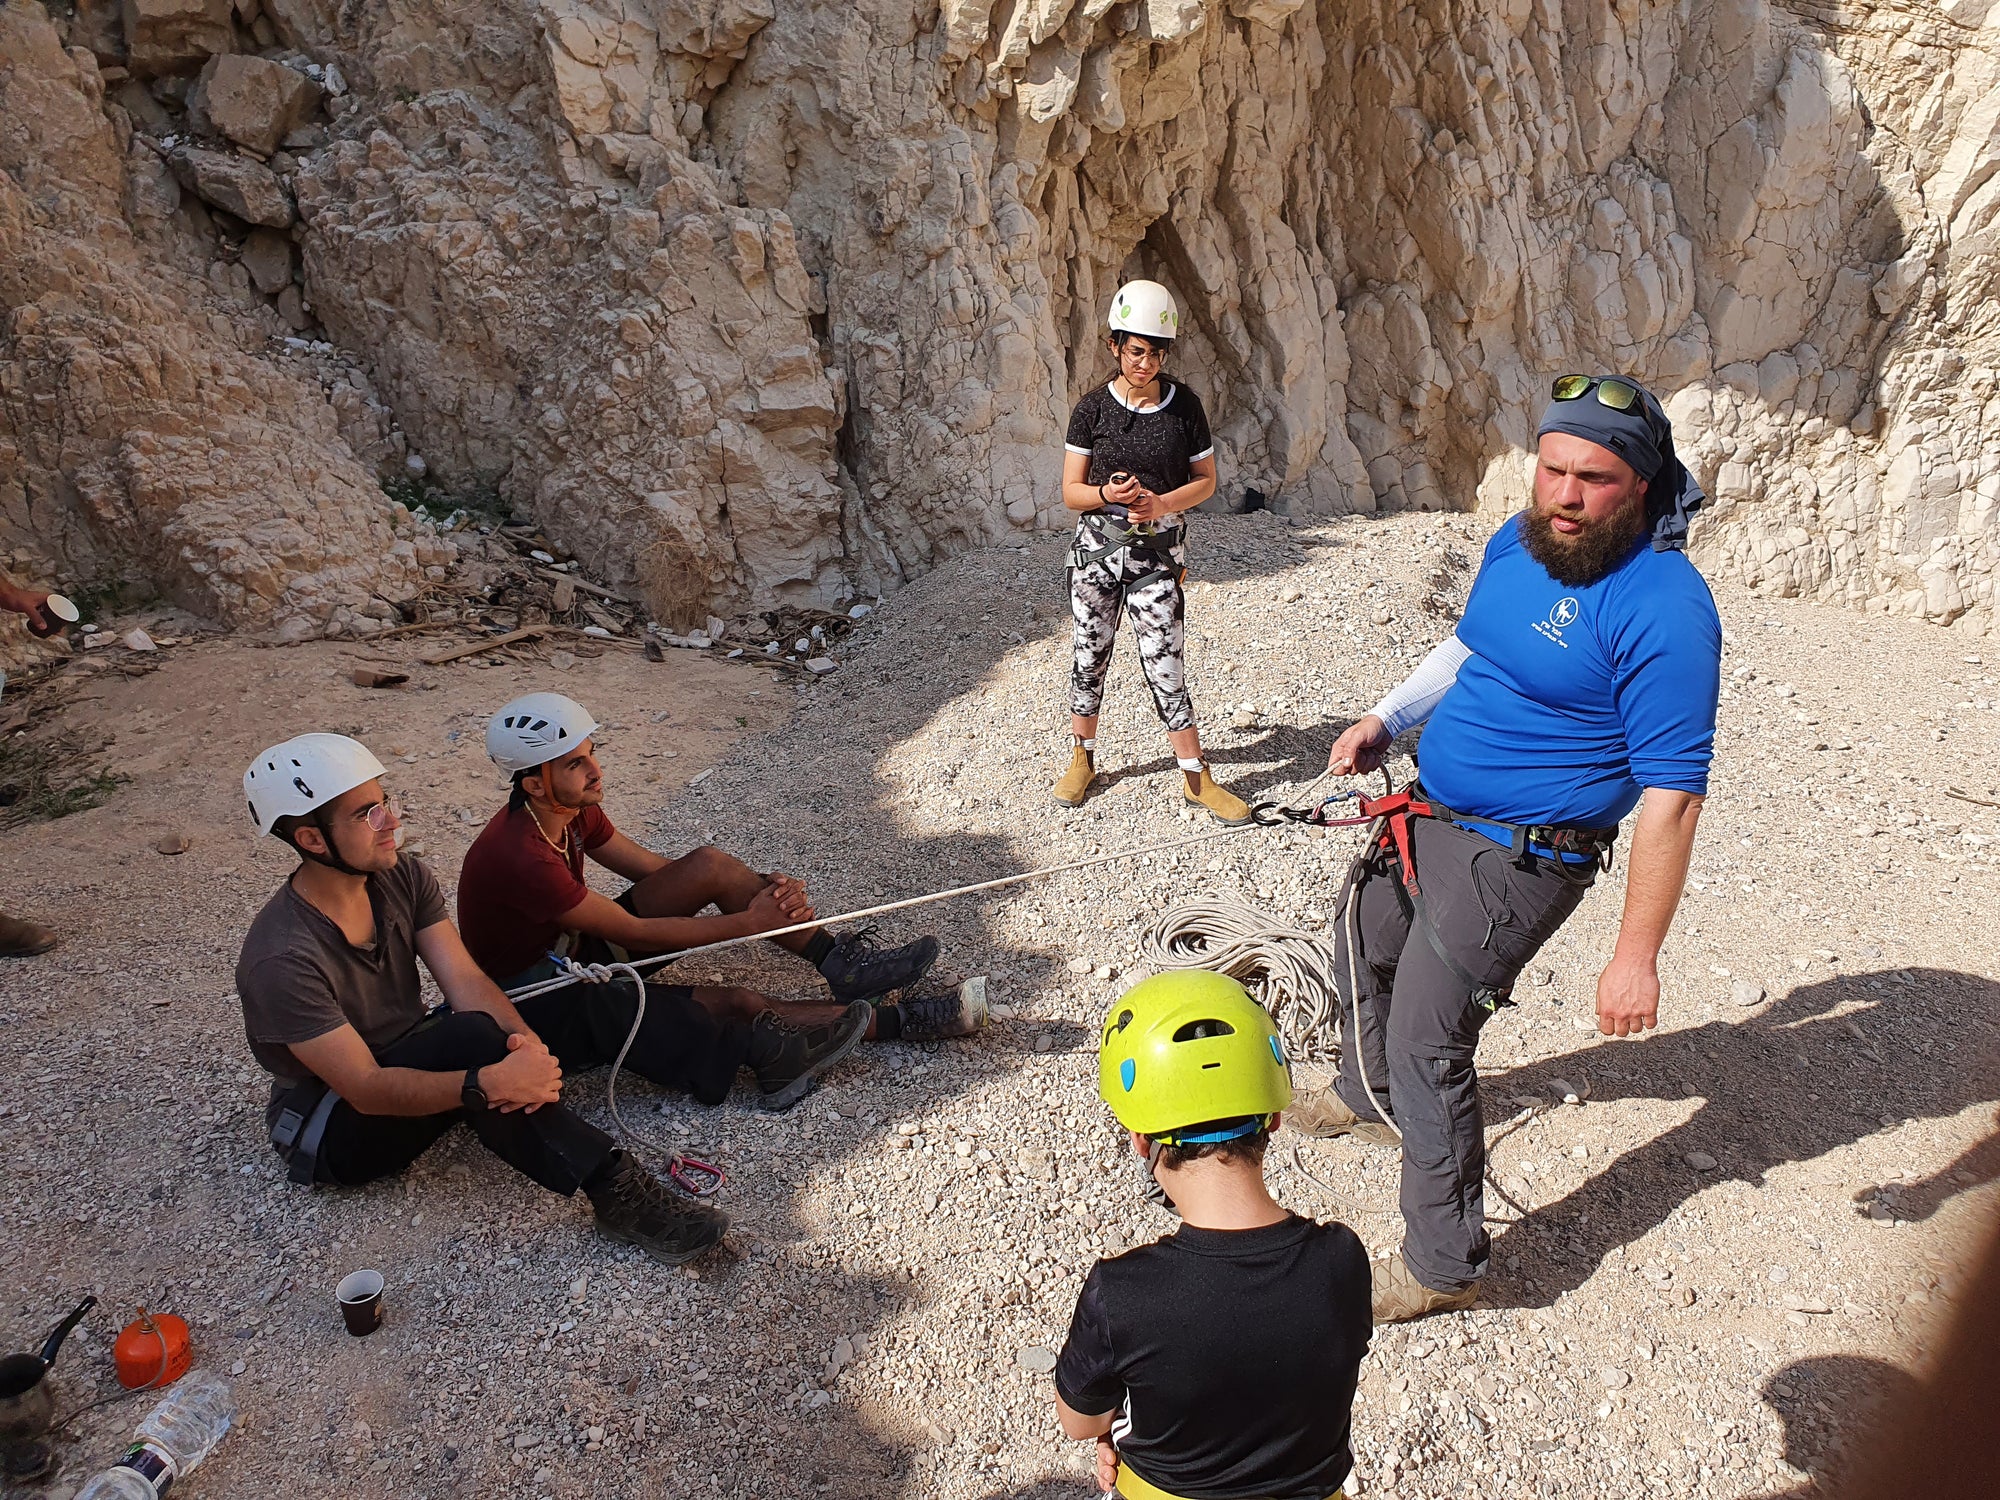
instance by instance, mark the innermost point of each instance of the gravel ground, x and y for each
(1717, 1246)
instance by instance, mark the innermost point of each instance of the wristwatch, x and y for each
(471, 1095)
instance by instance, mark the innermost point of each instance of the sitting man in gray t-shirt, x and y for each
(366, 1079)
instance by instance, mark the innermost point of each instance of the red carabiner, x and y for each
(695, 1177)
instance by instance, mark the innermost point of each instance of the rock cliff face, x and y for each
(750, 300)
(146, 436)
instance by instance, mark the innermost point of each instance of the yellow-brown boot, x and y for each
(1400, 1298)
(23, 939)
(1223, 805)
(1074, 784)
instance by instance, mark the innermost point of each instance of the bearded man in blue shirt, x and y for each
(1580, 682)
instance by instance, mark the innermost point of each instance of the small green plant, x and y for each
(51, 778)
(98, 598)
(479, 506)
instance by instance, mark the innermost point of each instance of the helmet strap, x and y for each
(331, 859)
(549, 791)
(1151, 1189)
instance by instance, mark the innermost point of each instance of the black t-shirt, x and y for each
(1231, 1356)
(1156, 445)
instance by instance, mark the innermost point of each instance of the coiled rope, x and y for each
(1290, 972)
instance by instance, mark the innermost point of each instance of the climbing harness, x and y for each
(1100, 536)
(1295, 974)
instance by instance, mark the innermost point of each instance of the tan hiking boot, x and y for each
(1223, 805)
(1323, 1114)
(1074, 785)
(21, 939)
(1401, 1298)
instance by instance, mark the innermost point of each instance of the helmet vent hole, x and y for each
(1124, 1020)
(1195, 1031)
(1207, 1066)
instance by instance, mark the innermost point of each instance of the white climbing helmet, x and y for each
(303, 774)
(1147, 309)
(532, 731)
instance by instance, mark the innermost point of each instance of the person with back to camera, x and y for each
(1222, 1360)
(1137, 455)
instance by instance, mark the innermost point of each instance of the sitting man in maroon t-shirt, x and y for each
(522, 894)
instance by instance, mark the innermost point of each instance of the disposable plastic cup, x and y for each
(360, 1298)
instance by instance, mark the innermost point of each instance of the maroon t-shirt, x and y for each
(516, 888)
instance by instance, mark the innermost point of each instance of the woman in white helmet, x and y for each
(1137, 455)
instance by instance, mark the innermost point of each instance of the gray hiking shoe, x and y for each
(1400, 1298)
(859, 969)
(933, 1018)
(788, 1058)
(1323, 1114)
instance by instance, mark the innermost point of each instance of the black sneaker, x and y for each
(858, 970)
(933, 1018)
(788, 1058)
(635, 1208)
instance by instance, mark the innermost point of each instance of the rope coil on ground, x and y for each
(1290, 972)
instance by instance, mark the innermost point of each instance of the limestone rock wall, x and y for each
(147, 434)
(751, 300)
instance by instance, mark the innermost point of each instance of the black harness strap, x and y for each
(1143, 545)
(300, 1127)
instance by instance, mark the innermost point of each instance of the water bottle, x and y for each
(181, 1432)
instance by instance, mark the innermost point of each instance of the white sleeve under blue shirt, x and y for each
(1574, 700)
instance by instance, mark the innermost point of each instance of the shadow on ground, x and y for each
(816, 799)
(1820, 1069)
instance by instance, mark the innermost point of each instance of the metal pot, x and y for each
(26, 1404)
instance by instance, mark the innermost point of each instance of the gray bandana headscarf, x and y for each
(1672, 495)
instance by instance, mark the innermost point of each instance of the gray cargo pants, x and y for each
(1420, 1021)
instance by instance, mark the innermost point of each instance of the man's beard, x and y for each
(1578, 561)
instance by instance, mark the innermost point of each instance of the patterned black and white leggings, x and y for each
(1158, 610)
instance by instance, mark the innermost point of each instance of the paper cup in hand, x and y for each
(360, 1298)
(55, 613)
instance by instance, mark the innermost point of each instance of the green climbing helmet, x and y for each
(1189, 1048)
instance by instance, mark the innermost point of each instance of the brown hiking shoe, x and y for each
(1401, 1298)
(23, 939)
(1323, 1114)
(1074, 784)
(1223, 805)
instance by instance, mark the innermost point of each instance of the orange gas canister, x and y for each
(152, 1350)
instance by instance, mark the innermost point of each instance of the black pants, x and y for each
(679, 1046)
(1420, 1021)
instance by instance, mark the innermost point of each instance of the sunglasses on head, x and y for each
(1619, 395)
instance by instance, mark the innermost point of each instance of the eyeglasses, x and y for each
(380, 816)
(1141, 356)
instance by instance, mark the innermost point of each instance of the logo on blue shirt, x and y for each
(1563, 612)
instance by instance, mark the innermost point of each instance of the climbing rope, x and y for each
(543, 986)
(1289, 971)
(692, 1175)
(702, 1179)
